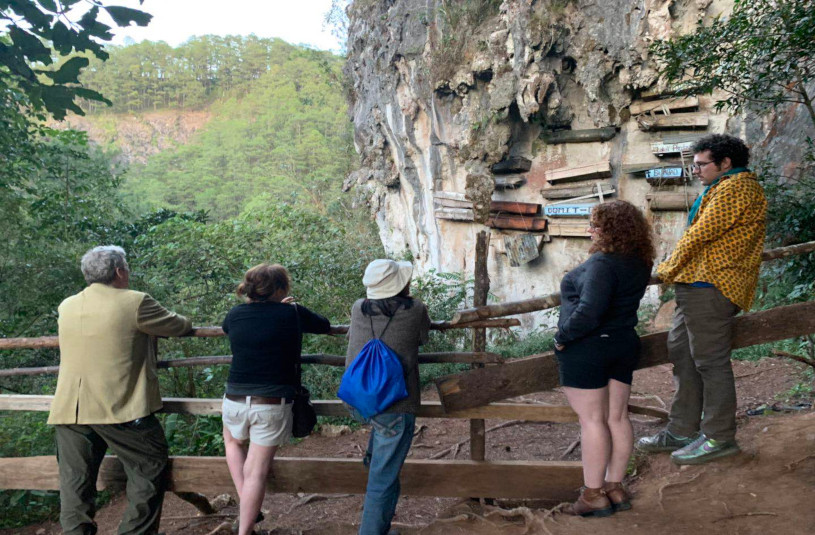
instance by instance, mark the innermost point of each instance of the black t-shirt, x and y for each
(266, 344)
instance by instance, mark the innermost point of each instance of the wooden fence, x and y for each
(471, 395)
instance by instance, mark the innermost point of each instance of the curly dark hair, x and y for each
(264, 282)
(623, 230)
(722, 146)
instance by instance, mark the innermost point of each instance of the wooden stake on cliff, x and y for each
(478, 445)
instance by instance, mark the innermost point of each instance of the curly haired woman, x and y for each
(597, 349)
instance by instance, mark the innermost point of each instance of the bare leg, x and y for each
(235, 459)
(622, 433)
(591, 406)
(255, 472)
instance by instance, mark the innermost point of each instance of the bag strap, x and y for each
(373, 333)
(300, 336)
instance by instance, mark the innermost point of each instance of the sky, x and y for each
(175, 21)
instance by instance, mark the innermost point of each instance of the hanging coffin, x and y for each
(568, 228)
(675, 121)
(558, 210)
(569, 191)
(583, 172)
(516, 222)
(670, 201)
(521, 249)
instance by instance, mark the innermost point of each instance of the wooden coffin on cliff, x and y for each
(661, 201)
(570, 191)
(583, 172)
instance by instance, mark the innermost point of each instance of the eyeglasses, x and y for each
(697, 166)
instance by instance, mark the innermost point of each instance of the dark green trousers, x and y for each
(699, 346)
(141, 447)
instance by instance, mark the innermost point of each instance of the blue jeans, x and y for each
(388, 446)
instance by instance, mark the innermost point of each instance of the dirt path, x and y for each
(769, 488)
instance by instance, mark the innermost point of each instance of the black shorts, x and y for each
(590, 362)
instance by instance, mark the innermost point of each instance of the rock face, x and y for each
(441, 91)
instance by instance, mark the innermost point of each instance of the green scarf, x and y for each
(698, 203)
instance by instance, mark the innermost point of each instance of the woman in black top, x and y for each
(597, 348)
(265, 335)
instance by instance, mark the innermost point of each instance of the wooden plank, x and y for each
(509, 181)
(671, 104)
(514, 207)
(516, 222)
(481, 290)
(569, 191)
(583, 172)
(320, 358)
(660, 201)
(450, 195)
(455, 214)
(540, 372)
(578, 136)
(449, 203)
(555, 480)
(330, 407)
(567, 229)
(569, 210)
(665, 172)
(513, 164)
(680, 121)
(661, 148)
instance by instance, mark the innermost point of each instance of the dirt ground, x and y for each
(769, 488)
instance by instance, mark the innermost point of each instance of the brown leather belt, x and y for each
(257, 400)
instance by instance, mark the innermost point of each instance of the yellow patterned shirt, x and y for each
(723, 245)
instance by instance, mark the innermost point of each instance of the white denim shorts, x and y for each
(264, 425)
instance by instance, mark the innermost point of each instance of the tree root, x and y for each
(795, 463)
(752, 513)
(671, 483)
(455, 447)
(198, 500)
(571, 448)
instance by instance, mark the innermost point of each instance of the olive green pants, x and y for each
(699, 346)
(141, 447)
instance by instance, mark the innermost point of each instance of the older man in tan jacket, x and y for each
(107, 392)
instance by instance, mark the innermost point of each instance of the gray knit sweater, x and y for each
(408, 330)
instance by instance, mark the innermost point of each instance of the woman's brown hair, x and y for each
(263, 282)
(623, 230)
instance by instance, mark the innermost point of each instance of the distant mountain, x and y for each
(217, 121)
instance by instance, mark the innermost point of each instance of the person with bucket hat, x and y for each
(402, 322)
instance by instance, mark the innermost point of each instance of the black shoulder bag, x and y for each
(303, 414)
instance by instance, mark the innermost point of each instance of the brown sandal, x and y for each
(592, 502)
(617, 495)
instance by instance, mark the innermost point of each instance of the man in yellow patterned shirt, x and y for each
(714, 269)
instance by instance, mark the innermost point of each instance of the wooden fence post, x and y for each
(482, 287)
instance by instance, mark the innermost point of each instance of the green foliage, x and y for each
(760, 57)
(46, 74)
(280, 129)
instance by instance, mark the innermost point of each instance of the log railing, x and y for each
(510, 308)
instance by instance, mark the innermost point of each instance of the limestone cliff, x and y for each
(442, 91)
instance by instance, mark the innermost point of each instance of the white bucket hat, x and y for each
(385, 278)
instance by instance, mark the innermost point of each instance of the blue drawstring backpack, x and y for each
(375, 380)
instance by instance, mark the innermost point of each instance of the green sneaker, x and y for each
(705, 449)
(662, 441)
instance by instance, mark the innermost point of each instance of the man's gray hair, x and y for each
(100, 263)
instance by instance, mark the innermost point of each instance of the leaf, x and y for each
(61, 38)
(69, 71)
(30, 45)
(123, 16)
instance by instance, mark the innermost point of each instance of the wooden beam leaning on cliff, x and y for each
(552, 300)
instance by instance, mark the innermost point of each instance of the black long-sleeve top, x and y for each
(600, 295)
(266, 344)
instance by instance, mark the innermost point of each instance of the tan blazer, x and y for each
(107, 371)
